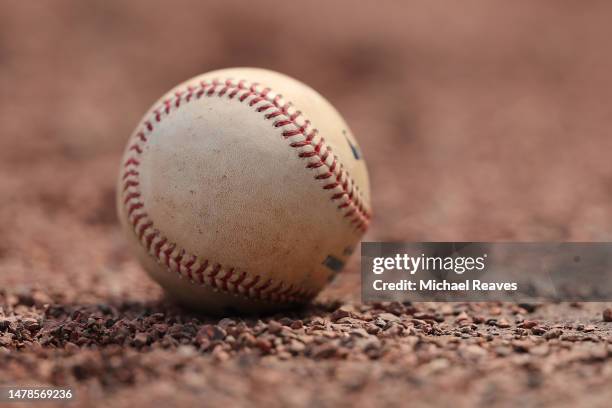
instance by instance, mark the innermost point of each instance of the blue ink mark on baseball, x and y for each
(354, 148)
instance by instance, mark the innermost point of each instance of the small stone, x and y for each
(372, 328)
(226, 322)
(297, 324)
(296, 346)
(607, 315)
(424, 316)
(247, 339)
(160, 328)
(521, 346)
(381, 323)
(553, 334)
(340, 314)
(211, 332)
(538, 331)
(395, 308)
(529, 324)
(503, 323)
(317, 321)
(31, 324)
(274, 327)
(389, 317)
(461, 317)
(503, 351)
(359, 332)
(6, 339)
(325, 350)
(571, 337)
(264, 345)
(141, 339)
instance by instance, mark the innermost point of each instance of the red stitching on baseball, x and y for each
(132, 161)
(199, 272)
(225, 279)
(130, 196)
(234, 281)
(215, 271)
(149, 240)
(137, 218)
(167, 252)
(133, 207)
(263, 287)
(130, 172)
(240, 279)
(143, 228)
(130, 183)
(158, 247)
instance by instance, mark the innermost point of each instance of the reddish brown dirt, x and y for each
(479, 121)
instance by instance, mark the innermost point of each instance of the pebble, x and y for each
(264, 345)
(528, 324)
(424, 316)
(325, 350)
(226, 322)
(274, 327)
(340, 314)
(461, 317)
(553, 334)
(522, 346)
(141, 339)
(296, 347)
(571, 337)
(503, 351)
(389, 317)
(211, 332)
(6, 339)
(503, 323)
(247, 339)
(372, 328)
(479, 319)
(297, 324)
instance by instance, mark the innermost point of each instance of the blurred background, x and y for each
(480, 120)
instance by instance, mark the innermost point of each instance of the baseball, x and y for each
(243, 190)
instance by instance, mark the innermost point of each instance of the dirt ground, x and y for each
(479, 121)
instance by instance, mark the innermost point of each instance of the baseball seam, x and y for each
(301, 135)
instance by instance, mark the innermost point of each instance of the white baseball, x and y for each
(243, 190)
